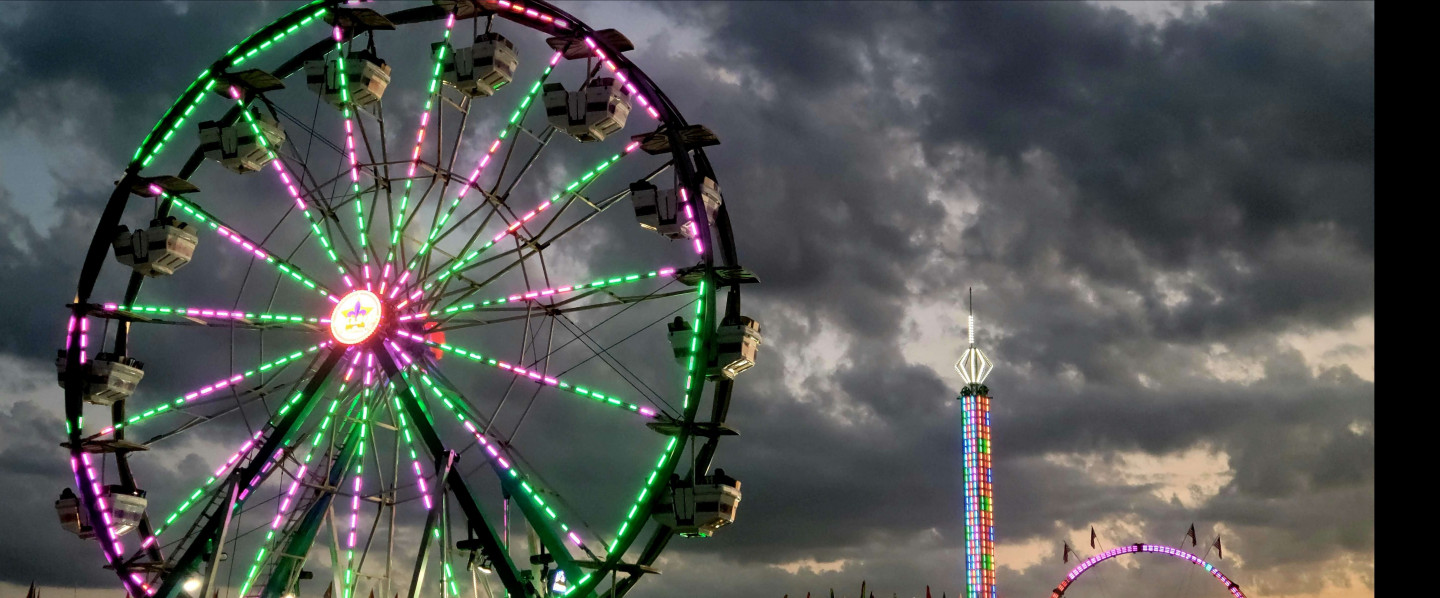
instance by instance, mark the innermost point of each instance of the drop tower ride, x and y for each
(974, 399)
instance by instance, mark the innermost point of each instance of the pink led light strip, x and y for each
(533, 376)
(114, 551)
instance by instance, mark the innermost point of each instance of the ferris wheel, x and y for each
(408, 312)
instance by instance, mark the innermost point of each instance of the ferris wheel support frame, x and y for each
(687, 172)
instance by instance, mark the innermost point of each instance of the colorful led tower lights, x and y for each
(974, 366)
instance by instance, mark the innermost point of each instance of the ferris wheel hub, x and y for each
(356, 317)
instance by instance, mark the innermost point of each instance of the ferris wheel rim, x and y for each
(115, 206)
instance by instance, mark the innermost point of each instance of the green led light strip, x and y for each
(352, 568)
(398, 223)
(536, 377)
(181, 400)
(517, 297)
(285, 267)
(194, 94)
(211, 313)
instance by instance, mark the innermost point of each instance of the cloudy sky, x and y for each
(1166, 212)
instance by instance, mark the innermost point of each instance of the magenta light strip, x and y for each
(533, 376)
(190, 501)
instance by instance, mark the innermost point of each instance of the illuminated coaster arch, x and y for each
(381, 270)
(1087, 564)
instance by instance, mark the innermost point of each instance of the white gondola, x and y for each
(710, 198)
(591, 114)
(108, 378)
(366, 74)
(156, 251)
(237, 147)
(680, 335)
(736, 347)
(125, 507)
(697, 510)
(479, 70)
(659, 210)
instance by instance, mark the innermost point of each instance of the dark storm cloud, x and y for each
(1230, 153)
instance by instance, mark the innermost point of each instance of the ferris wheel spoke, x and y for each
(193, 497)
(521, 373)
(543, 294)
(397, 219)
(254, 249)
(194, 396)
(206, 317)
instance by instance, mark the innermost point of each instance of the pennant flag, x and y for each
(1092, 536)
(33, 593)
(1065, 554)
(329, 590)
(1191, 534)
(1219, 554)
(927, 592)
